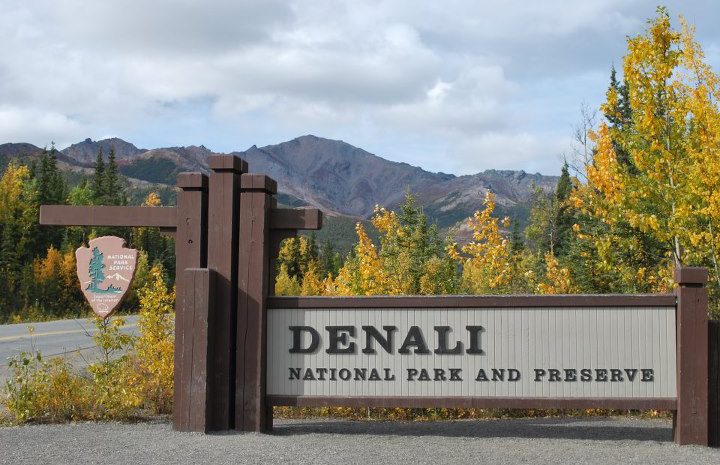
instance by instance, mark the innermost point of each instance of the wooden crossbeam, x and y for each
(162, 217)
(70, 215)
(296, 218)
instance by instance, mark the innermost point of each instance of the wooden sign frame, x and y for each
(227, 231)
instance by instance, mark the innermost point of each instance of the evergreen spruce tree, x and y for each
(10, 269)
(564, 217)
(112, 182)
(108, 189)
(618, 113)
(330, 260)
(517, 244)
(50, 183)
(98, 181)
(51, 190)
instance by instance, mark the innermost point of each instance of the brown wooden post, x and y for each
(251, 411)
(205, 225)
(224, 210)
(714, 384)
(190, 252)
(691, 417)
(198, 300)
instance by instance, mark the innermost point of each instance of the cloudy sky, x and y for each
(455, 85)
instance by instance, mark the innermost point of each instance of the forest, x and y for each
(640, 197)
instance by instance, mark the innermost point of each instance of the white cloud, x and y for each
(519, 150)
(455, 86)
(36, 126)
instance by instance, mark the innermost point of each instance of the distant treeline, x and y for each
(639, 197)
(37, 263)
(644, 199)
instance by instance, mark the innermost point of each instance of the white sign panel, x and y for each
(479, 352)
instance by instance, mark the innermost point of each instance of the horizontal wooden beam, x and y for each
(476, 301)
(70, 215)
(162, 217)
(296, 218)
(625, 403)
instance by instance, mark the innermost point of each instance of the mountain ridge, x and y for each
(332, 175)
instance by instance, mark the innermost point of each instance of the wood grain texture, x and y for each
(474, 402)
(192, 181)
(251, 413)
(199, 300)
(486, 301)
(259, 182)
(296, 218)
(223, 240)
(714, 383)
(691, 417)
(223, 163)
(691, 275)
(70, 215)
(190, 252)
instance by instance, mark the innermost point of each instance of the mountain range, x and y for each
(340, 179)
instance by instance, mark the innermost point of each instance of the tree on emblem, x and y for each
(97, 276)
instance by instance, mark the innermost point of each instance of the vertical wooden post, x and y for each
(190, 252)
(251, 412)
(224, 209)
(714, 384)
(691, 418)
(198, 299)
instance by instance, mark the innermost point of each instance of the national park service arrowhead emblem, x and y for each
(105, 269)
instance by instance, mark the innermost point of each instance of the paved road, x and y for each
(533, 441)
(69, 338)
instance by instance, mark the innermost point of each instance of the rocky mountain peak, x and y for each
(333, 175)
(85, 152)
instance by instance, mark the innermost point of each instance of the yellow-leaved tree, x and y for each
(55, 280)
(286, 284)
(363, 273)
(654, 180)
(410, 257)
(154, 348)
(487, 266)
(11, 191)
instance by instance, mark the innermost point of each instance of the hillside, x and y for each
(333, 175)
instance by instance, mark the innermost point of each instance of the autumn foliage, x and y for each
(646, 199)
(649, 201)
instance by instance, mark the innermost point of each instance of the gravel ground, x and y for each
(536, 441)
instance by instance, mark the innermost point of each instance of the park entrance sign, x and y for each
(239, 350)
(105, 269)
(617, 355)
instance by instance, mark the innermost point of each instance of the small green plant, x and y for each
(42, 390)
(114, 388)
(155, 347)
(51, 391)
(132, 375)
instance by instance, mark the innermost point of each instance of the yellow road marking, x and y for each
(55, 333)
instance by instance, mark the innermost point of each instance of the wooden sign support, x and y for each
(228, 230)
(227, 233)
(251, 413)
(190, 325)
(690, 422)
(223, 239)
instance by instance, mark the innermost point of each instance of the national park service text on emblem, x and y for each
(105, 269)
